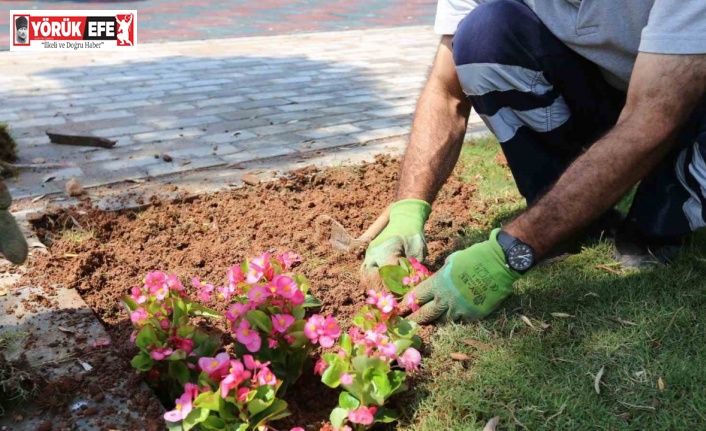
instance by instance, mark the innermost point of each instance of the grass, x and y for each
(77, 236)
(642, 327)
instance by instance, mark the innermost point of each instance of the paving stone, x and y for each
(240, 114)
(192, 90)
(220, 101)
(107, 115)
(370, 135)
(222, 138)
(118, 131)
(197, 163)
(37, 122)
(279, 128)
(301, 106)
(124, 105)
(326, 132)
(188, 121)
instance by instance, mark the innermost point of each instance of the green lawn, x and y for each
(640, 326)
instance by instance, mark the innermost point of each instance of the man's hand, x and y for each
(470, 285)
(12, 243)
(403, 236)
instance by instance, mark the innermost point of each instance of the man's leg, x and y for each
(543, 101)
(670, 202)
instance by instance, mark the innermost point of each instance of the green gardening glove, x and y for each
(12, 243)
(470, 285)
(403, 236)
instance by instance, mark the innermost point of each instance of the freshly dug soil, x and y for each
(204, 237)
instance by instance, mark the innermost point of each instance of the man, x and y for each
(21, 25)
(586, 98)
(12, 243)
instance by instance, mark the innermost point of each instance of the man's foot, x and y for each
(605, 227)
(635, 250)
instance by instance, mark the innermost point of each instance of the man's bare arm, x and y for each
(437, 130)
(664, 90)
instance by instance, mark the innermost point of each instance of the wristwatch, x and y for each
(518, 255)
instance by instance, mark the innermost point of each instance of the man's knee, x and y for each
(487, 33)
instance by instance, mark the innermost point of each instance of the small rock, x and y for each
(74, 188)
(39, 161)
(250, 179)
(166, 157)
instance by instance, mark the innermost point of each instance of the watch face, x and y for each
(520, 257)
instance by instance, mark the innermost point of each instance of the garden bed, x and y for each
(103, 255)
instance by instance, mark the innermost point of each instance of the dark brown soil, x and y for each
(208, 235)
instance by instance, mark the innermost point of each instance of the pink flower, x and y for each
(282, 322)
(173, 283)
(216, 367)
(225, 292)
(243, 394)
(287, 259)
(285, 286)
(266, 377)
(204, 289)
(164, 324)
(156, 282)
(185, 344)
(418, 267)
(382, 343)
(413, 280)
(258, 295)
(236, 311)
(183, 406)
(297, 429)
(248, 337)
(160, 353)
(139, 315)
(298, 298)
(271, 343)
(411, 301)
(322, 330)
(236, 375)
(137, 295)
(362, 415)
(258, 268)
(235, 275)
(346, 379)
(320, 367)
(410, 360)
(254, 364)
(133, 336)
(383, 301)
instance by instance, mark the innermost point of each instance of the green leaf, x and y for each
(258, 319)
(142, 362)
(392, 276)
(397, 378)
(277, 410)
(213, 423)
(174, 426)
(348, 401)
(363, 363)
(381, 386)
(302, 283)
(386, 416)
(402, 345)
(405, 328)
(346, 344)
(177, 355)
(186, 331)
(194, 418)
(129, 304)
(199, 310)
(339, 417)
(209, 400)
(311, 301)
(406, 264)
(180, 315)
(332, 375)
(180, 371)
(146, 336)
(264, 397)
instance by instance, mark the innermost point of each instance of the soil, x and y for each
(205, 236)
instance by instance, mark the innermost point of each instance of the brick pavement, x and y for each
(211, 103)
(165, 20)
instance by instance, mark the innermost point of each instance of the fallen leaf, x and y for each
(526, 320)
(460, 357)
(48, 178)
(562, 315)
(477, 344)
(660, 384)
(622, 321)
(605, 268)
(545, 325)
(597, 380)
(70, 255)
(86, 366)
(185, 162)
(627, 416)
(101, 343)
(492, 424)
(38, 198)
(65, 329)
(135, 180)
(591, 294)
